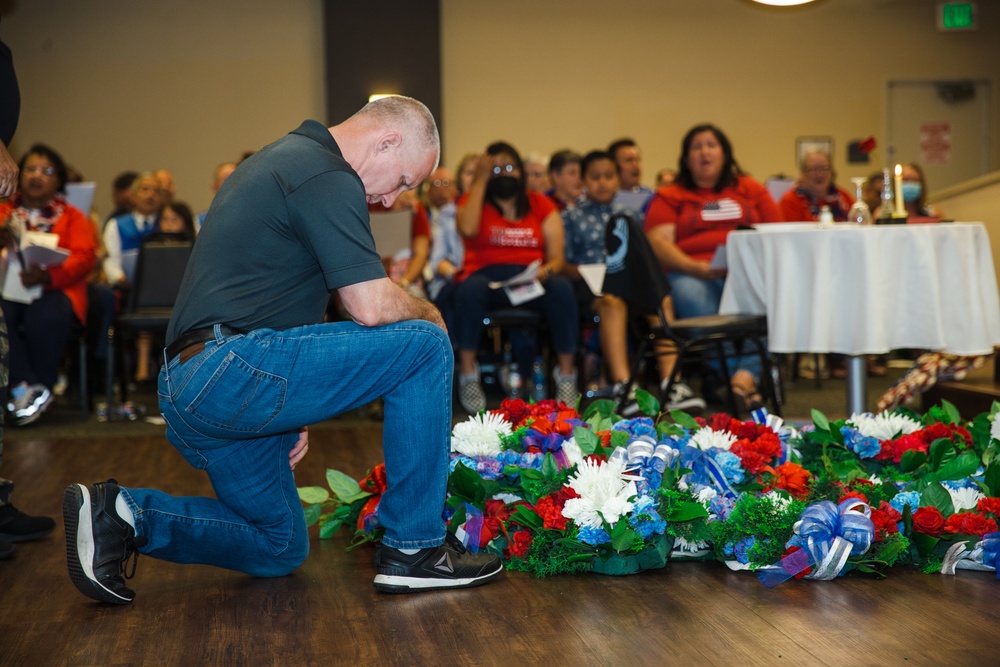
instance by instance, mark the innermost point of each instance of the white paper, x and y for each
(593, 275)
(13, 289)
(529, 274)
(719, 258)
(523, 292)
(81, 195)
(39, 255)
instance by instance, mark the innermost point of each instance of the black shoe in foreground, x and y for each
(17, 526)
(99, 542)
(450, 565)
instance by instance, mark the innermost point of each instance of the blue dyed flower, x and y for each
(593, 536)
(741, 548)
(489, 468)
(640, 426)
(865, 447)
(911, 498)
(721, 506)
(730, 465)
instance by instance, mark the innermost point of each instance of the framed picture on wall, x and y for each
(804, 145)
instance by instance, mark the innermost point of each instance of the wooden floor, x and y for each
(328, 613)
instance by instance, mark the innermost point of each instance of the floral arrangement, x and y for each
(556, 492)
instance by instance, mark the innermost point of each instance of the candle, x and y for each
(900, 211)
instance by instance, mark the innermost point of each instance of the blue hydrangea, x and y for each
(637, 427)
(911, 498)
(730, 465)
(956, 484)
(741, 548)
(721, 507)
(727, 550)
(593, 536)
(865, 447)
(490, 468)
(463, 459)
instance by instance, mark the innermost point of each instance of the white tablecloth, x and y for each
(867, 290)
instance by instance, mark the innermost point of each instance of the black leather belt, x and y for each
(193, 342)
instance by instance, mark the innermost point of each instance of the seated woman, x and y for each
(48, 298)
(687, 221)
(506, 228)
(585, 227)
(814, 190)
(915, 196)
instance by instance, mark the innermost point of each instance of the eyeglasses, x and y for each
(500, 169)
(817, 170)
(47, 171)
(441, 183)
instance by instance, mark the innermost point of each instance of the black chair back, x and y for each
(633, 272)
(158, 273)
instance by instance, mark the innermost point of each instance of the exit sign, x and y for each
(957, 16)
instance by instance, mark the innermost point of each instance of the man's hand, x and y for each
(300, 448)
(8, 173)
(376, 302)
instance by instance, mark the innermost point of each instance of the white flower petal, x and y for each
(480, 435)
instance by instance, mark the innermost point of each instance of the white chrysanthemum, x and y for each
(995, 428)
(479, 435)
(507, 498)
(706, 495)
(604, 492)
(965, 499)
(706, 438)
(883, 426)
(574, 455)
(680, 544)
(779, 501)
(875, 479)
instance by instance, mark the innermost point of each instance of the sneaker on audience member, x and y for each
(628, 406)
(99, 542)
(471, 396)
(567, 390)
(682, 397)
(16, 526)
(450, 565)
(29, 402)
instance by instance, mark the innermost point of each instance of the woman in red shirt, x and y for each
(505, 228)
(688, 220)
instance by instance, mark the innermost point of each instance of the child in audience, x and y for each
(585, 233)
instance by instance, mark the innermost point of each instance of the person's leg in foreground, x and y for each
(236, 410)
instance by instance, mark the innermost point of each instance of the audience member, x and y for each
(40, 317)
(536, 168)
(665, 177)
(166, 182)
(219, 176)
(447, 249)
(121, 194)
(467, 172)
(15, 526)
(506, 228)
(689, 220)
(633, 193)
(406, 268)
(585, 227)
(814, 190)
(564, 175)
(123, 234)
(915, 195)
(871, 192)
(176, 221)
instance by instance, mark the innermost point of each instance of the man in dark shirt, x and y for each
(247, 367)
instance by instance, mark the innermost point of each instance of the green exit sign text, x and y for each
(956, 16)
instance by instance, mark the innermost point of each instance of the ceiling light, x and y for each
(782, 3)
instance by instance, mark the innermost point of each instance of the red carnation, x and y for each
(496, 508)
(755, 454)
(520, 542)
(969, 523)
(513, 410)
(884, 518)
(853, 494)
(935, 431)
(720, 422)
(989, 506)
(929, 521)
(793, 478)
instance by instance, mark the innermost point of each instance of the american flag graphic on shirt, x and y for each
(722, 209)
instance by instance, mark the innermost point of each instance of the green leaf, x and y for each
(938, 450)
(965, 465)
(601, 408)
(312, 513)
(951, 411)
(622, 536)
(457, 519)
(467, 484)
(330, 528)
(925, 543)
(820, 420)
(587, 440)
(648, 405)
(911, 460)
(992, 478)
(686, 511)
(344, 486)
(313, 494)
(527, 518)
(549, 466)
(665, 429)
(619, 439)
(933, 494)
(684, 419)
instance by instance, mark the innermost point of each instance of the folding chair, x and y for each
(634, 274)
(158, 274)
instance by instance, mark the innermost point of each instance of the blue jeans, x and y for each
(235, 411)
(694, 297)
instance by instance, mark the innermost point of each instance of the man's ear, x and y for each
(389, 141)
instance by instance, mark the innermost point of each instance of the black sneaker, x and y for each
(17, 526)
(99, 542)
(450, 565)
